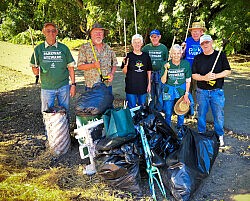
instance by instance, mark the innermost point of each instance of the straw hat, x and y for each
(198, 25)
(181, 107)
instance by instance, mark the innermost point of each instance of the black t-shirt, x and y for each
(136, 80)
(203, 64)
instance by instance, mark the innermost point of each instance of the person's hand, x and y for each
(186, 99)
(149, 87)
(97, 64)
(72, 90)
(125, 62)
(183, 45)
(167, 66)
(111, 77)
(210, 76)
(35, 70)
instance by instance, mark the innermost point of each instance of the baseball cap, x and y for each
(156, 32)
(205, 37)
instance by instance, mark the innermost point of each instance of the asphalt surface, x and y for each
(237, 105)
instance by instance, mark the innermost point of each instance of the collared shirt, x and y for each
(48, 45)
(107, 60)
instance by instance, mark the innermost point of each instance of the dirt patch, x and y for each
(23, 146)
(22, 128)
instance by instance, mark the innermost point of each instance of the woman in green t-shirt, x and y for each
(176, 77)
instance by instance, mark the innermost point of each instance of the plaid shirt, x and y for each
(107, 60)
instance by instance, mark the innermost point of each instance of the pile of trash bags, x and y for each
(94, 101)
(184, 158)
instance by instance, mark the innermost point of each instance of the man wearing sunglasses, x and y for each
(209, 85)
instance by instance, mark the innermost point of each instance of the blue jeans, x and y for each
(156, 89)
(168, 107)
(62, 95)
(132, 99)
(216, 100)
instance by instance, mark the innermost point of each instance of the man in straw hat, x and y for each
(97, 58)
(191, 48)
(210, 93)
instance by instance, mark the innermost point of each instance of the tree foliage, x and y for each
(223, 19)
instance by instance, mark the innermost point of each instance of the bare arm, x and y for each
(96, 64)
(211, 76)
(149, 81)
(164, 76)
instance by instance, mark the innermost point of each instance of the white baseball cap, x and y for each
(205, 37)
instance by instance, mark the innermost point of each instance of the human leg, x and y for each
(168, 110)
(142, 99)
(217, 106)
(203, 105)
(180, 121)
(131, 98)
(47, 99)
(63, 97)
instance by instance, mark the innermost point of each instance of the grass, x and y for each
(41, 184)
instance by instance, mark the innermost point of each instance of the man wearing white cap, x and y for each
(158, 53)
(209, 85)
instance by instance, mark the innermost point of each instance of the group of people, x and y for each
(150, 72)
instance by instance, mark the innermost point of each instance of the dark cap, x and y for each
(99, 26)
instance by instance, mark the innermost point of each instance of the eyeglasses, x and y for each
(50, 31)
(205, 42)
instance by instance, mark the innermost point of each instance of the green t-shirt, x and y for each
(177, 75)
(53, 63)
(158, 55)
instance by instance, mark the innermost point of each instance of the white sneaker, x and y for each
(221, 141)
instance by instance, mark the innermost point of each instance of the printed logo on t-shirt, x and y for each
(52, 56)
(139, 64)
(155, 54)
(52, 65)
(194, 50)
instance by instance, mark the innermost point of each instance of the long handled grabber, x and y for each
(153, 171)
(225, 41)
(190, 16)
(31, 37)
(172, 46)
(103, 78)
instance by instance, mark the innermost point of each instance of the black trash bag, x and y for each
(108, 143)
(187, 167)
(95, 101)
(120, 168)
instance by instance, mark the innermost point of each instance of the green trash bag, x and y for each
(118, 122)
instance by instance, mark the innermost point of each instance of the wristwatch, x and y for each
(73, 84)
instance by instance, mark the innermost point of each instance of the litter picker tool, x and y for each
(103, 78)
(225, 41)
(190, 16)
(172, 46)
(135, 16)
(31, 37)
